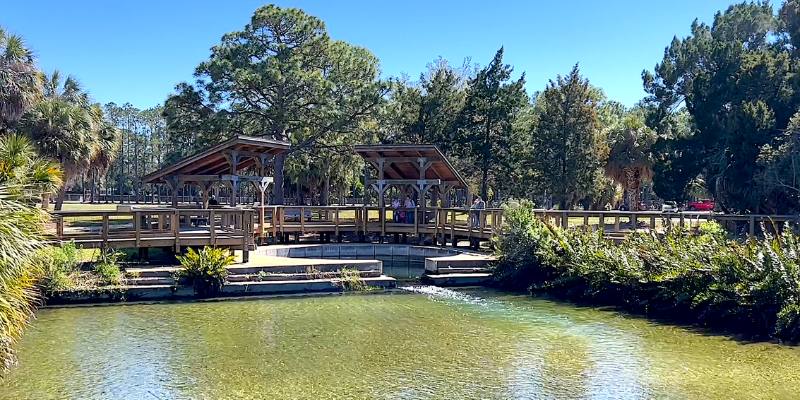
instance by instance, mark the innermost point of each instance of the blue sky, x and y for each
(136, 51)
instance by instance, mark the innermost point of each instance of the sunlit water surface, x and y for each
(425, 343)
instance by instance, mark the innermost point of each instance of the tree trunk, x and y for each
(325, 196)
(277, 187)
(62, 192)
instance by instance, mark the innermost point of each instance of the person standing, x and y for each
(477, 205)
(395, 209)
(410, 208)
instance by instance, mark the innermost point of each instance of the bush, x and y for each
(205, 270)
(751, 286)
(107, 267)
(350, 281)
(58, 266)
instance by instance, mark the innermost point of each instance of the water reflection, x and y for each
(430, 343)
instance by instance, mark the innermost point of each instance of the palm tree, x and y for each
(23, 177)
(20, 81)
(22, 170)
(109, 139)
(630, 162)
(71, 130)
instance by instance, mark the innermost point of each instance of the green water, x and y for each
(435, 345)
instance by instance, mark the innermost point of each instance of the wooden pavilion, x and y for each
(230, 163)
(422, 167)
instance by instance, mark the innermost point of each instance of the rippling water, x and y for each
(424, 343)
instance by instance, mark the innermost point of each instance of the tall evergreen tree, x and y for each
(485, 133)
(283, 77)
(567, 148)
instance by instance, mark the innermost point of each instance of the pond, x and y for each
(431, 343)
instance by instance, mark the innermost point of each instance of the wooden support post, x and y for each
(105, 231)
(653, 223)
(275, 224)
(436, 226)
(302, 221)
(60, 226)
(336, 221)
(383, 222)
(751, 229)
(212, 227)
(453, 237)
(633, 218)
(601, 224)
(586, 222)
(176, 230)
(137, 227)
(565, 219)
(247, 226)
(616, 223)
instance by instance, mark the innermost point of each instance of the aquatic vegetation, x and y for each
(752, 287)
(205, 270)
(350, 281)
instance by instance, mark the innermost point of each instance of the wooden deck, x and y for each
(241, 228)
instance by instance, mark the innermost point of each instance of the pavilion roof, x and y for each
(404, 162)
(213, 162)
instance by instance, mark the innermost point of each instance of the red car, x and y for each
(701, 205)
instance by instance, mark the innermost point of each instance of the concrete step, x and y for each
(298, 276)
(300, 286)
(470, 279)
(152, 272)
(464, 270)
(150, 281)
(302, 267)
(465, 261)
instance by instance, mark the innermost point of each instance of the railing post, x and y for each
(60, 226)
(616, 222)
(176, 230)
(137, 227)
(247, 225)
(601, 224)
(336, 222)
(634, 220)
(104, 233)
(453, 238)
(302, 221)
(212, 229)
(565, 219)
(751, 231)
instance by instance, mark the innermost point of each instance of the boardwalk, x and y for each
(243, 228)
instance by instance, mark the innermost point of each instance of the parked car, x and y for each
(669, 206)
(701, 205)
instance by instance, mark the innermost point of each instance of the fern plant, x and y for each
(204, 270)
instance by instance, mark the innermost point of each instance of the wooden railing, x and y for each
(629, 221)
(156, 227)
(237, 228)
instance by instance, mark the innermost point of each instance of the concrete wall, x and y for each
(399, 261)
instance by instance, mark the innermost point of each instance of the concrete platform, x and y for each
(300, 286)
(464, 262)
(470, 279)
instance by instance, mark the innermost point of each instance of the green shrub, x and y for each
(350, 281)
(751, 286)
(205, 270)
(58, 266)
(107, 267)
